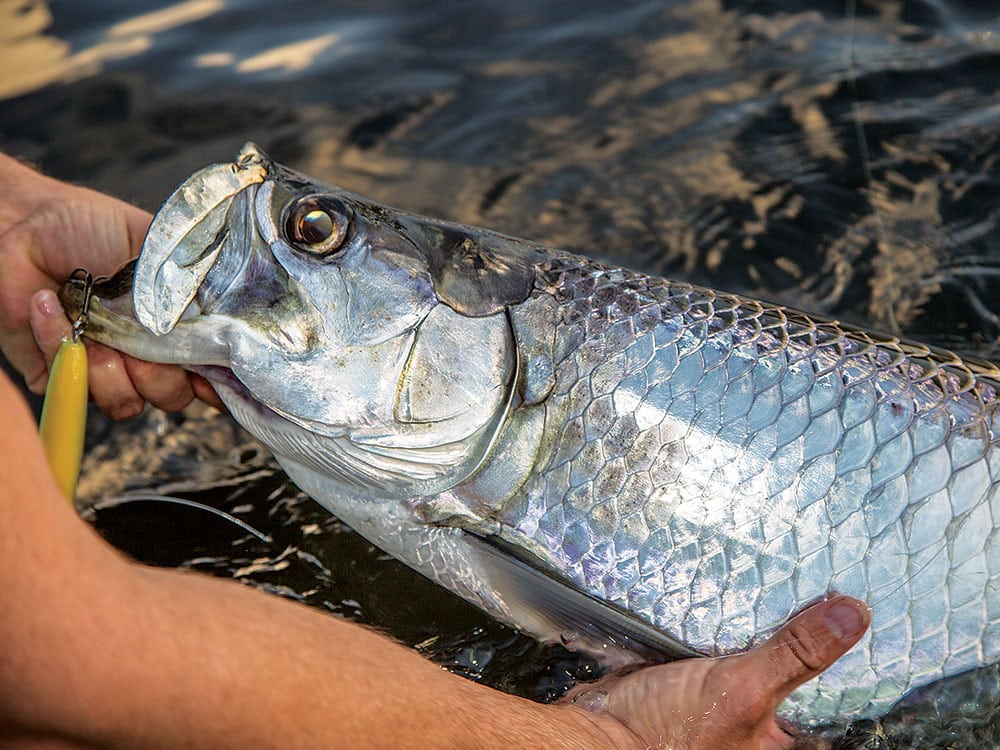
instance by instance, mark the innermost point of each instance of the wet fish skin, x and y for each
(702, 462)
(720, 463)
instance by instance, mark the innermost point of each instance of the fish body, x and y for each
(631, 464)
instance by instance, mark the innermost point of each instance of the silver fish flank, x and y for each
(638, 466)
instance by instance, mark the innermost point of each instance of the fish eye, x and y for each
(317, 224)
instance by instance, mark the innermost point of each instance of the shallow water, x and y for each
(842, 158)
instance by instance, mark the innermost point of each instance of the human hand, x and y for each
(729, 702)
(48, 229)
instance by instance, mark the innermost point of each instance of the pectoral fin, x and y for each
(545, 603)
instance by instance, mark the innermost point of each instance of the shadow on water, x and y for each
(846, 163)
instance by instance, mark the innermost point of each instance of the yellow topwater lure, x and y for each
(64, 410)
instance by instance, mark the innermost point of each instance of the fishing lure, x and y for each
(64, 410)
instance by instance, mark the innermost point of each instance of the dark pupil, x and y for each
(314, 227)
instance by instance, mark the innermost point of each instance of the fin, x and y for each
(549, 605)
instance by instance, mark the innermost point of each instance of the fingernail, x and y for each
(47, 303)
(844, 618)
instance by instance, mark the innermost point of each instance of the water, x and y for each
(843, 158)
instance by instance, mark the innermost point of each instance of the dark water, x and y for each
(840, 157)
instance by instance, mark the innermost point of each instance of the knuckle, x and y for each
(751, 707)
(804, 647)
(15, 240)
(13, 310)
(176, 400)
(31, 368)
(165, 387)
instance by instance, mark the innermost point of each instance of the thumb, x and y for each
(807, 644)
(50, 327)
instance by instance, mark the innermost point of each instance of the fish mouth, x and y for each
(172, 304)
(206, 225)
(199, 243)
(202, 265)
(111, 320)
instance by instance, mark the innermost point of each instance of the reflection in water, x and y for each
(33, 59)
(166, 19)
(290, 58)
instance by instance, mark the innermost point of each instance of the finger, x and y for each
(204, 391)
(807, 645)
(165, 386)
(110, 384)
(137, 224)
(85, 229)
(18, 281)
(50, 327)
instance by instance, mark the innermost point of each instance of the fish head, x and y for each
(366, 343)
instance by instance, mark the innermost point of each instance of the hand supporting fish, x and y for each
(637, 466)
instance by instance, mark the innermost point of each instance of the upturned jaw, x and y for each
(199, 242)
(205, 218)
(181, 247)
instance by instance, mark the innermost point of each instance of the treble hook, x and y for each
(88, 292)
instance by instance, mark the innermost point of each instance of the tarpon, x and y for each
(634, 465)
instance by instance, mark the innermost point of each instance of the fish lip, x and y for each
(112, 321)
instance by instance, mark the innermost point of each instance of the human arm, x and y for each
(47, 230)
